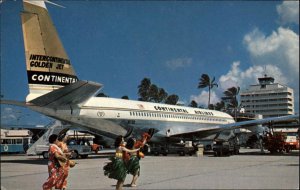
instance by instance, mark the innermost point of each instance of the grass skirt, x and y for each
(133, 165)
(116, 169)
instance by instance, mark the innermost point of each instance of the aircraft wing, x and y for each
(204, 132)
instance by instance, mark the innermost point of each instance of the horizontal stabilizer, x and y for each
(14, 102)
(72, 94)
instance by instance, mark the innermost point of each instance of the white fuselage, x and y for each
(112, 117)
(144, 115)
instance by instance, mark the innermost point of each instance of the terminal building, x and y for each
(268, 98)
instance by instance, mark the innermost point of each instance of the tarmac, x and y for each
(248, 170)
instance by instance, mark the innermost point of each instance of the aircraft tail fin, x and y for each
(47, 63)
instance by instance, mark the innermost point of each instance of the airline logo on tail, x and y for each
(48, 65)
(52, 63)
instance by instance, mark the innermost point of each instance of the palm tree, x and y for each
(144, 89)
(206, 82)
(193, 104)
(172, 99)
(219, 105)
(125, 97)
(232, 93)
(153, 93)
(162, 95)
(102, 94)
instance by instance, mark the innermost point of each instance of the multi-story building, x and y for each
(268, 98)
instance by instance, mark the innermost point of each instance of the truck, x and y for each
(291, 142)
(274, 142)
(281, 139)
(181, 149)
(79, 149)
(225, 147)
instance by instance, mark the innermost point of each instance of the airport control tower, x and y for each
(268, 98)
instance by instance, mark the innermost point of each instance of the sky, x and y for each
(118, 43)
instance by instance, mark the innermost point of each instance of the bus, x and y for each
(15, 141)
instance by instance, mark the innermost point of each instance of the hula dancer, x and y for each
(133, 164)
(56, 172)
(116, 169)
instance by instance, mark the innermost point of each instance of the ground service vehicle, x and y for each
(165, 149)
(79, 149)
(291, 142)
(226, 147)
(274, 142)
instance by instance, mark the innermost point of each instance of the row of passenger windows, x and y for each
(176, 116)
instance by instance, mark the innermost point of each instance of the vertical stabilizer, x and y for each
(47, 63)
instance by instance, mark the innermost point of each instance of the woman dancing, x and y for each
(116, 169)
(133, 164)
(66, 165)
(56, 172)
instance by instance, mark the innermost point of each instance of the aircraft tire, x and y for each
(45, 155)
(74, 154)
(84, 156)
(181, 153)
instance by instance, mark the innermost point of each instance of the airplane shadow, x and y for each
(269, 154)
(259, 153)
(36, 161)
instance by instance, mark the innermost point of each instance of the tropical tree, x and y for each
(206, 82)
(211, 107)
(220, 106)
(162, 95)
(153, 93)
(125, 97)
(232, 94)
(102, 94)
(144, 89)
(172, 99)
(193, 104)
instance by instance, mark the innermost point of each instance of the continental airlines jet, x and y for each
(55, 90)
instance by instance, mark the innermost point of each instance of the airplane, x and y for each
(56, 91)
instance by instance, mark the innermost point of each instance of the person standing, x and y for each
(65, 166)
(56, 172)
(116, 169)
(133, 164)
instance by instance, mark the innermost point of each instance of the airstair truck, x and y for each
(41, 146)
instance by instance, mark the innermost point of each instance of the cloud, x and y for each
(288, 12)
(202, 99)
(281, 48)
(179, 63)
(236, 77)
(8, 114)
